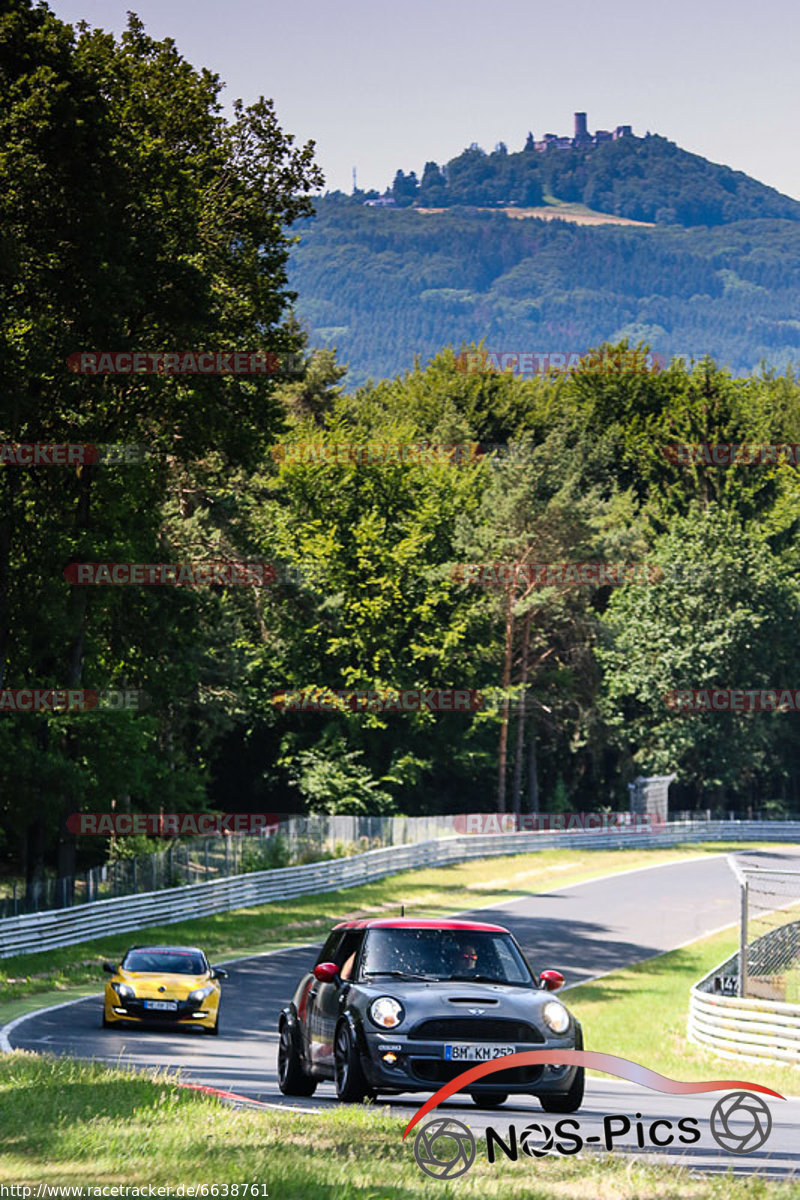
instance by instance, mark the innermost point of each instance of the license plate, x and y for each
(476, 1051)
(162, 1005)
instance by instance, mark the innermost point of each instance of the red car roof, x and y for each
(418, 923)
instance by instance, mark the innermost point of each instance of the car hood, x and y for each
(148, 984)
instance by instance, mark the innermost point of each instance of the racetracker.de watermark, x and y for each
(120, 824)
(244, 574)
(565, 822)
(184, 362)
(57, 700)
(730, 454)
(71, 454)
(590, 574)
(374, 700)
(366, 453)
(526, 363)
(698, 700)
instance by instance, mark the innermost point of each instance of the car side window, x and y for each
(328, 951)
(347, 953)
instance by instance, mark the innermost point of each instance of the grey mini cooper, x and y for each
(396, 1006)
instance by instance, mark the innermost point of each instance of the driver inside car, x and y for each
(465, 960)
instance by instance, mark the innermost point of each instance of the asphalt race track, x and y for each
(583, 930)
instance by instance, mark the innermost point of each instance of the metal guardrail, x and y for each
(34, 932)
(734, 1027)
(307, 838)
(739, 1027)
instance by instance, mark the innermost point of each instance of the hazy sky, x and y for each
(383, 85)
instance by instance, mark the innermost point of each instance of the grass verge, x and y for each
(611, 1009)
(437, 891)
(74, 1124)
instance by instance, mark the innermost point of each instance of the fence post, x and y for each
(745, 887)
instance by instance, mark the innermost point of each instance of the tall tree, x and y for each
(135, 218)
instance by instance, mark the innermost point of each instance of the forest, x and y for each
(135, 217)
(386, 286)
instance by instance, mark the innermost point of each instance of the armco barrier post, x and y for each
(745, 888)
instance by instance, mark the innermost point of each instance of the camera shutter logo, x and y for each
(532, 1133)
(741, 1122)
(444, 1148)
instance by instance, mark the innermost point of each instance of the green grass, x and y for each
(73, 1124)
(437, 891)
(620, 1012)
(792, 985)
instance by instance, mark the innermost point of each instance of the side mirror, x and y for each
(551, 981)
(219, 973)
(326, 972)
(109, 966)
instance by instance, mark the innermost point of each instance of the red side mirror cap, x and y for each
(326, 972)
(551, 981)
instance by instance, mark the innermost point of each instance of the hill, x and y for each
(384, 285)
(644, 179)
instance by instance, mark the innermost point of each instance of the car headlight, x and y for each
(556, 1016)
(124, 991)
(386, 1012)
(199, 994)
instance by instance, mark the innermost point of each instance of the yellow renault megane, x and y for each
(163, 985)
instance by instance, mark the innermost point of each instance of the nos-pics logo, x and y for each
(445, 1148)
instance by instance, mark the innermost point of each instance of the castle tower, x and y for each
(581, 132)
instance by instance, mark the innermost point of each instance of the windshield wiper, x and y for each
(395, 974)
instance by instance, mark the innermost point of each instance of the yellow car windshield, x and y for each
(167, 962)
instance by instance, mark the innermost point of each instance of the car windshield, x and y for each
(168, 962)
(444, 954)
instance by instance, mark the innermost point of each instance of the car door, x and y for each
(331, 998)
(314, 1045)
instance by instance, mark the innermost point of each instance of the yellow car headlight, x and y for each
(124, 991)
(199, 994)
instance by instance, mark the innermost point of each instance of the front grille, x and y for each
(434, 1070)
(475, 1029)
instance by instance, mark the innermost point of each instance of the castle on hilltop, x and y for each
(582, 136)
(582, 140)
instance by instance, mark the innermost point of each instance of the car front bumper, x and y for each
(423, 1067)
(134, 1011)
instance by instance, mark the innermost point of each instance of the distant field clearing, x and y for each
(577, 213)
